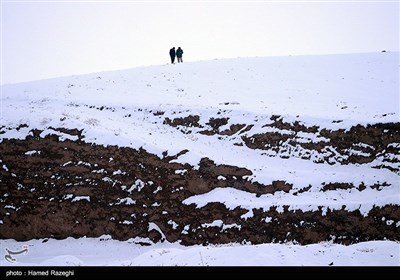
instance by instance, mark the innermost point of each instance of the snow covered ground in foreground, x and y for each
(104, 251)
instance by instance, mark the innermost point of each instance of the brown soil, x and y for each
(128, 189)
(358, 145)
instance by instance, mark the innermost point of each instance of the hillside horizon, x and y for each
(191, 62)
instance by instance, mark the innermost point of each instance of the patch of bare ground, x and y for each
(357, 145)
(52, 188)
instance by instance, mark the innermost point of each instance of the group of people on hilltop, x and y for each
(178, 53)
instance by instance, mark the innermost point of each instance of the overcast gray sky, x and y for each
(44, 39)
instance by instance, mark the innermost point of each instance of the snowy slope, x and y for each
(298, 120)
(315, 90)
(103, 251)
(308, 86)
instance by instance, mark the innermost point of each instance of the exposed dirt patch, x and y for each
(234, 128)
(357, 145)
(266, 141)
(336, 186)
(189, 121)
(215, 123)
(360, 144)
(52, 188)
(295, 126)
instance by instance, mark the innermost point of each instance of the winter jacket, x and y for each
(179, 52)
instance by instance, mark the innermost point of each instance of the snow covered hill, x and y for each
(301, 149)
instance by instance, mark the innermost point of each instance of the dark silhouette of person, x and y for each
(172, 54)
(179, 53)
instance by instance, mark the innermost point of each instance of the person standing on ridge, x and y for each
(172, 55)
(179, 53)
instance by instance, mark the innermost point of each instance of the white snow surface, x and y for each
(128, 107)
(104, 251)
